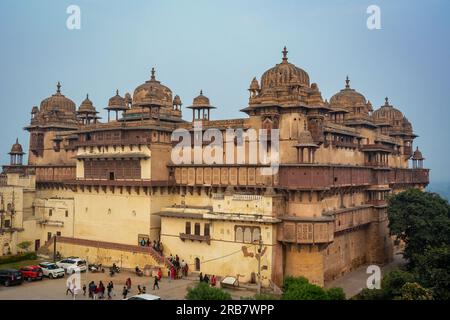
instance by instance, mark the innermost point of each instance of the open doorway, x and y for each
(111, 175)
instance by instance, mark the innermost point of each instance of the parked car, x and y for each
(144, 296)
(51, 270)
(31, 273)
(10, 276)
(72, 265)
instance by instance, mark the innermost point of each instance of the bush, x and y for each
(414, 291)
(204, 292)
(370, 294)
(393, 281)
(300, 289)
(266, 296)
(335, 294)
(18, 257)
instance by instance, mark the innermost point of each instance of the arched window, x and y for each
(197, 264)
(256, 234)
(239, 235)
(247, 235)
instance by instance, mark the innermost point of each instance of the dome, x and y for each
(116, 102)
(86, 105)
(34, 110)
(152, 92)
(16, 148)
(58, 102)
(177, 101)
(407, 126)
(387, 114)
(284, 74)
(201, 101)
(305, 139)
(417, 155)
(348, 97)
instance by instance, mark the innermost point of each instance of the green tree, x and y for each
(393, 281)
(421, 220)
(433, 271)
(414, 291)
(204, 292)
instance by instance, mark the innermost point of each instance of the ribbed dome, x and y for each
(201, 100)
(16, 148)
(417, 155)
(86, 105)
(284, 74)
(57, 102)
(152, 92)
(388, 114)
(347, 97)
(305, 139)
(117, 102)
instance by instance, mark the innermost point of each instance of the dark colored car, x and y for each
(31, 273)
(10, 276)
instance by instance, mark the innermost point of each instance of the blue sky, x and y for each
(219, 46)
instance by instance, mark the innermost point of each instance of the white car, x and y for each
(51, 270)
(72, 265)
(144, 296)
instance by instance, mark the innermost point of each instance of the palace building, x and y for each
(99, 187)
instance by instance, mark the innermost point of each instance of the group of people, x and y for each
(157, 245)
(212, 281)
(98, 291)
(178, 269)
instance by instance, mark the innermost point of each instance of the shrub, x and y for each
(414, 291)
(370, 294)
(204, 292)
(393, 282)
(300, 289)
(266, 296)
(18, 257)
(335, 294)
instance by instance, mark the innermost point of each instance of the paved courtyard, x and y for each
(56, 289)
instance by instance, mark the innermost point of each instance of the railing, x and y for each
(195, 237)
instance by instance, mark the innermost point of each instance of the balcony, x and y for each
(195, 237)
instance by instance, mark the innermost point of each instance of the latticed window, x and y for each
(256, 234)
(197, 229)
(247, 235)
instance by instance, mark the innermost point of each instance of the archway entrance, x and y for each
(197, 264)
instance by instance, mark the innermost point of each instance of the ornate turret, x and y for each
(306, 141)
(116, 104)
(201, 107)
(417, 159)
(86, 112)
(16, 154)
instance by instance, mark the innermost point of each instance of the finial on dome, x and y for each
(87, 96)
(58, 87)
(201, 92)
(386, 101)
(284, 52)
(17, 140)
(153, 74)
(347, 82)
(117, 92)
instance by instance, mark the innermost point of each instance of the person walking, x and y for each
(159, 274)
(109, 289)
(124, 292)
(101, 290)
(144, 290)
(128, 284)
(155, 283)
(213, 281)
(91, 289)
(84, 289)
(139, 289)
